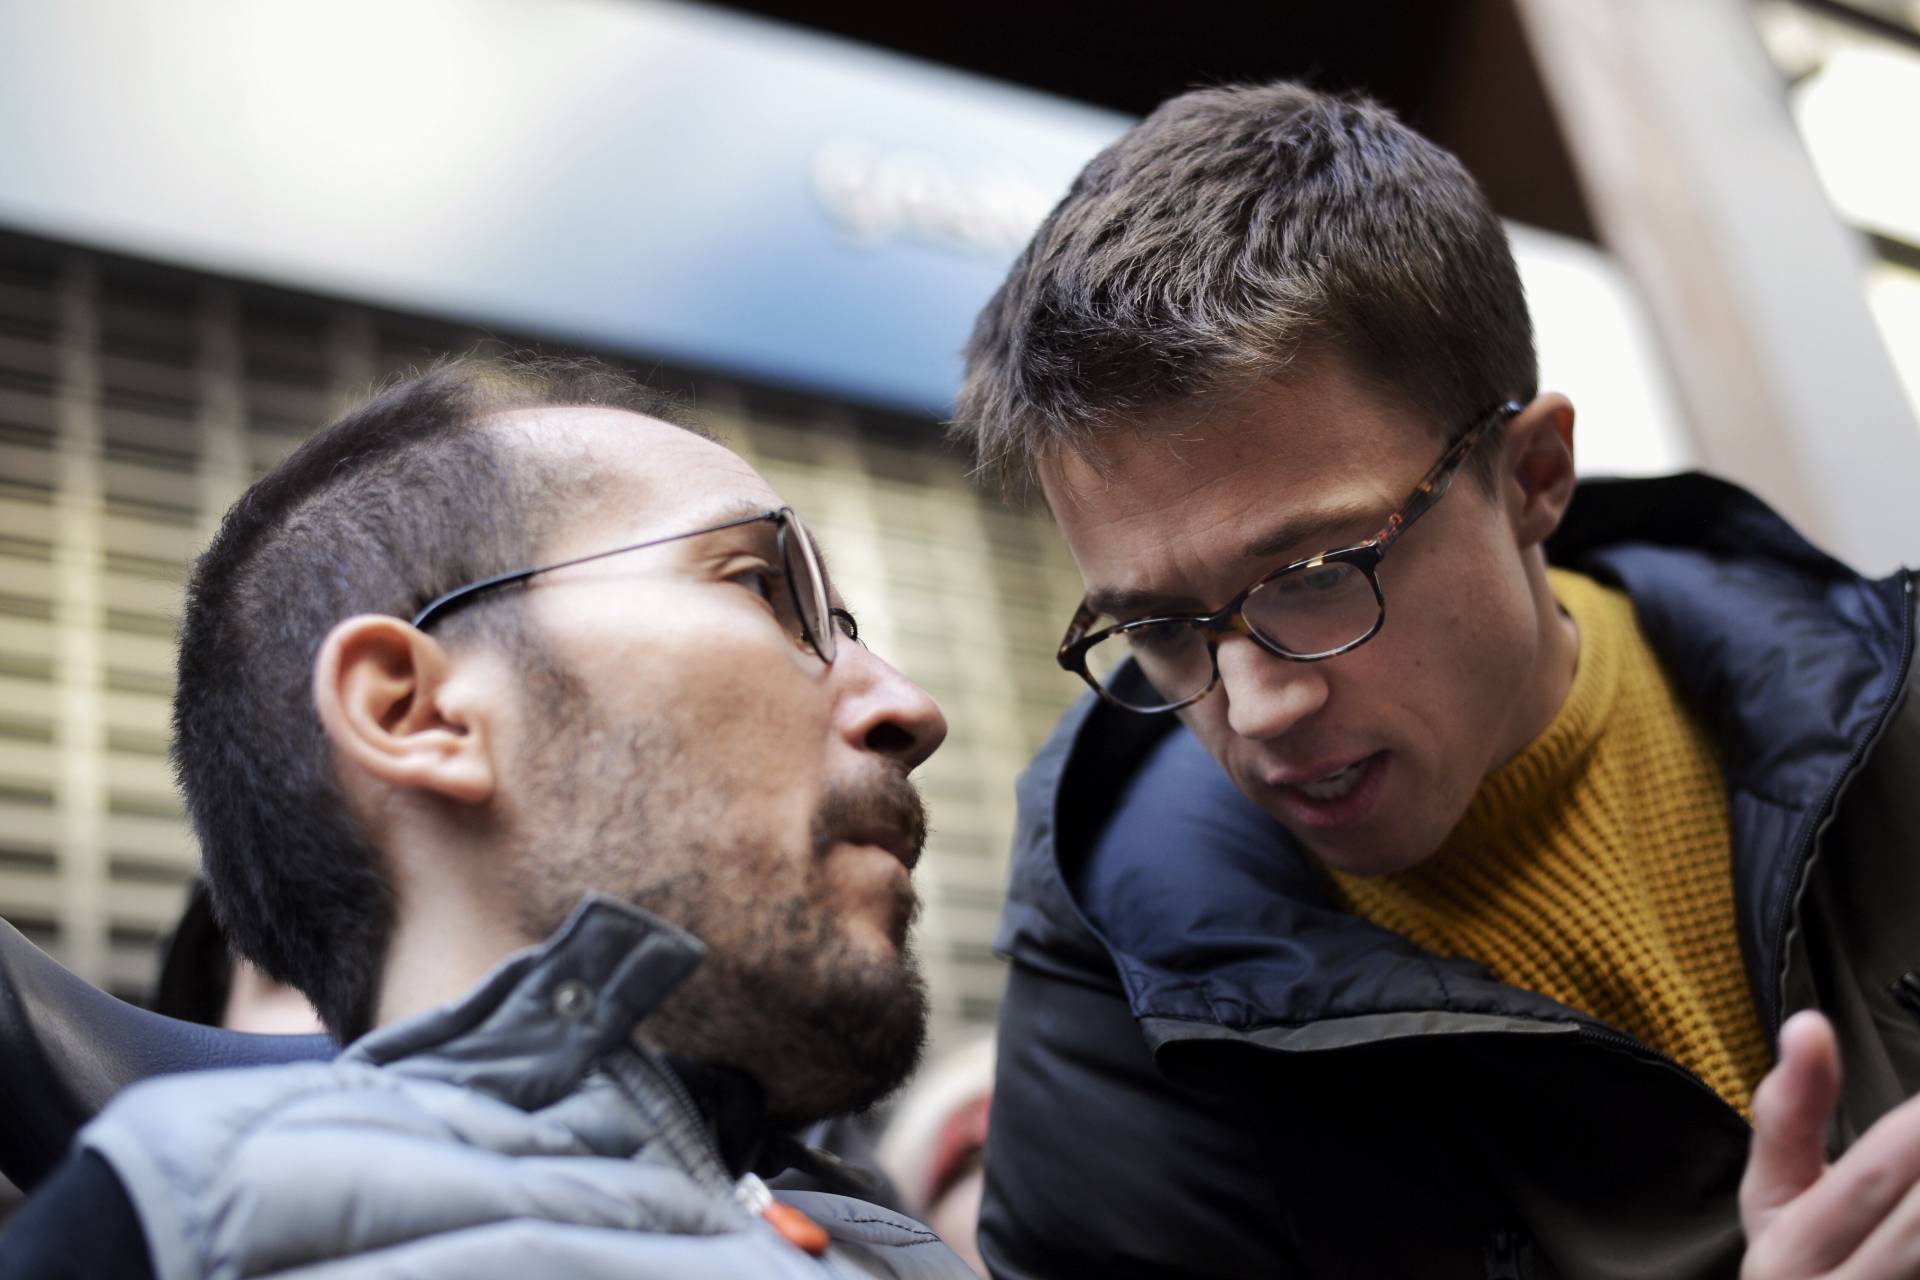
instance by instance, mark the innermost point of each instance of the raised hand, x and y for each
(1858, 1219)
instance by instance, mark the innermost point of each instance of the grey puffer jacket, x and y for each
(517, 1133)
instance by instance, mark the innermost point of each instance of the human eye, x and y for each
(759, 579)
(1157, 638)
(771, 585)
(846, 623)
(1319, 579)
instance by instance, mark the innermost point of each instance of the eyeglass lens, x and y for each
(807, 584)
(1312, 612)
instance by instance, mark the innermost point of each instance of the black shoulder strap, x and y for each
(66, 1047)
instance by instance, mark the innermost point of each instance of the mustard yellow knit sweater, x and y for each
(1594, 866)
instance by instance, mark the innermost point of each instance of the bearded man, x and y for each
(524, 733)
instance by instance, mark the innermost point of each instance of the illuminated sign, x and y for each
(655, 177)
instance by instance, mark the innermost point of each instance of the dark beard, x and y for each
(824, 1029)
(783, 995)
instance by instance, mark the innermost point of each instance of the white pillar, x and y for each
(1699, 182)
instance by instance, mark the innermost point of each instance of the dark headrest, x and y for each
(66, 1047)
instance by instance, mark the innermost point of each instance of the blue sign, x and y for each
(654, 177)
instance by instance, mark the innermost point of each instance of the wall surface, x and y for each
(135, 404)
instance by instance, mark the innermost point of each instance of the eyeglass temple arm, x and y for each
(1083, 618)
(1434, 485)
(439, 604)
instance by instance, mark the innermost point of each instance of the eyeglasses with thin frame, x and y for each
(1306, 611)
(816, 621)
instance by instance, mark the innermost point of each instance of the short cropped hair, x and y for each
(1228, 233)
(400, 500)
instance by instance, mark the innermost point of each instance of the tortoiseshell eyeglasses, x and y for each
(1307, 611)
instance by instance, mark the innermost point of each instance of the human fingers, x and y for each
(1892, 1250)
(1790, 1112)
(1865, 1190)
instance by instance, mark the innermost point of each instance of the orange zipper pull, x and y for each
(794, 1226)
(797, 1228)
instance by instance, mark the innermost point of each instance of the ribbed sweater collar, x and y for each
(1532, 780)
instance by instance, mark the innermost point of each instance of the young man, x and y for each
(1447, 924)
(524, 733)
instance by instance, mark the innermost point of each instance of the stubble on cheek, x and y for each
(700, 820)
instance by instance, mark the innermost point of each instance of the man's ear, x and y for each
(1538, 467)
(393, 705)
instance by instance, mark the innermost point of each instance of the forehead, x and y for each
(633, 476)
(1207, 487)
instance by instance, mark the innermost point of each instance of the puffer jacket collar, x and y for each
(521, 1131)
(1792, 660)
(545, 1017)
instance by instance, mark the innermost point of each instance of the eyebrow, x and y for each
(741, 508)
(1311, 528)
(732, 509)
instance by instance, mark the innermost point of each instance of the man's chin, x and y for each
(863, 1041)
(1368, 858)
(825, 1033)
(879, 940)
(873, 907)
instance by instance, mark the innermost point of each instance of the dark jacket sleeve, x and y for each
(77, 1225)
(1096, 1166)
(1096, 1163)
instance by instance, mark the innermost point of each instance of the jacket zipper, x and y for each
(1907, 990)
(681, 1127)
(1803, 855)
(748, 1191)
(1609, 1038)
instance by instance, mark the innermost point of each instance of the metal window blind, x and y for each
(137, 401)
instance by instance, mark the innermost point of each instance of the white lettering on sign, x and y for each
(880, 196)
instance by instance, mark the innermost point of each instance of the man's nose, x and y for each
(1266, 695)
(884, 712)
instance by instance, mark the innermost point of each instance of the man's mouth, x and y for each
(1324, 798)
(884, 812)
(1337, 784)
(900, 844)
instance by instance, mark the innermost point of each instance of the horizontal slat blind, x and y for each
(136, 402)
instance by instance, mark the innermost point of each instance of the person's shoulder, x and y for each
(887, 1243)
(262, 1142)
(78, 1224)
(1179, 799)
(198, 1117)
(233, 1089)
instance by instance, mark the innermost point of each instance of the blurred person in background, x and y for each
(934, 1145)
(525, 735)
(1431, 883)
(202, 981)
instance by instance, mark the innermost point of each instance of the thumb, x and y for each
(1790, 1112)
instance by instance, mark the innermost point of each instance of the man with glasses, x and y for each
(1397, 904)
(524, 733)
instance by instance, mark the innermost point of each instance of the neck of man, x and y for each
(1557, 657)
(447, 936)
